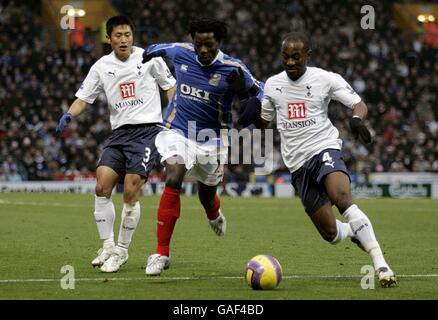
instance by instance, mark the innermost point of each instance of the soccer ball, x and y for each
(263, 272)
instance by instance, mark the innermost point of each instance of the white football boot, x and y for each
(116, 260)
(386, 276)
(219, 225)
(156, 264)
(103, 254)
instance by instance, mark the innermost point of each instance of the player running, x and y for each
(195, 140)
(132, 92)
(311, 148)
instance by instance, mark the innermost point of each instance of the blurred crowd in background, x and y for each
(394, 73)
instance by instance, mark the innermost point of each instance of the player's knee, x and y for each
(102, 191)
(174, 181)
(342, 200)
(130, 193)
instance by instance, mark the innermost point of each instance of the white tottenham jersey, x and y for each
(301, 107)
(131, 88)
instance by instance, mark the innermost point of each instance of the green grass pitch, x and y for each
(40, 233)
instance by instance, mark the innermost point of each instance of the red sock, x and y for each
(213, 213)
(168, 213)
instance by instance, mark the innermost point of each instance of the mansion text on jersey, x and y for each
(298, 124)
(129, 103)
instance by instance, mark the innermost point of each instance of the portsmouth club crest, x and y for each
(215, 79)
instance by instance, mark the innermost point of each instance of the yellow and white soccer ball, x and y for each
(263, 272)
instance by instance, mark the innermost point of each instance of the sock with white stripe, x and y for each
(363, 231)
(104, 214)
(344, 231)
(130, 219)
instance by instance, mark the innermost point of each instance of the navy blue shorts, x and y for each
(308, 180)
(131, 149)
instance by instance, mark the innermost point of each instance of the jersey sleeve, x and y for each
(91, 87)
(341, 91)
(268, 105)
(162, 74)
(164, 50)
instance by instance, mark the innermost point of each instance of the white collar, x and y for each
(219, 56)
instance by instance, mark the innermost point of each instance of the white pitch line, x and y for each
(70, 205)
(44, 204)
(211, 277)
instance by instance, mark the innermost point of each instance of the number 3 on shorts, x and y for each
(146, 158)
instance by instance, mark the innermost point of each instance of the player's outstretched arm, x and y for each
(238, 82)
(76, 108)
(250, 110)
(358, 128)
(250, 114)
(153, 54)
(163, 50)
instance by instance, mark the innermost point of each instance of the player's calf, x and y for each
(362, 228)
(364, 234)
(343, 230)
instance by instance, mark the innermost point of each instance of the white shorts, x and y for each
(205, 162)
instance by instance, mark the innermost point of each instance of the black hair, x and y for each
(202, 25)
(298, 36)
(118, 21)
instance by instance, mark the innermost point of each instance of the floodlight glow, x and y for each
(71, 12)
(76, 12)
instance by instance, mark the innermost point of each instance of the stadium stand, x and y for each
(395, 73)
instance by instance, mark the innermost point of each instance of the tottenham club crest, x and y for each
(139, 66)
(308, 87)
(215, 79)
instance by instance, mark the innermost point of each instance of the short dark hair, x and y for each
(298, 36)
(202, 25)
(118, 21)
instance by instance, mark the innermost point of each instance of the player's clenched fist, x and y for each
(149, 55)
(63, 121)
(237, 82)
(360, 130)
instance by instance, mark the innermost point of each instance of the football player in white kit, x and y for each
(132, 92)
(311, 147)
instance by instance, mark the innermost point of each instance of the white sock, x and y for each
(130, 219)
(104, 214)
(363, 231)
(344, 231)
